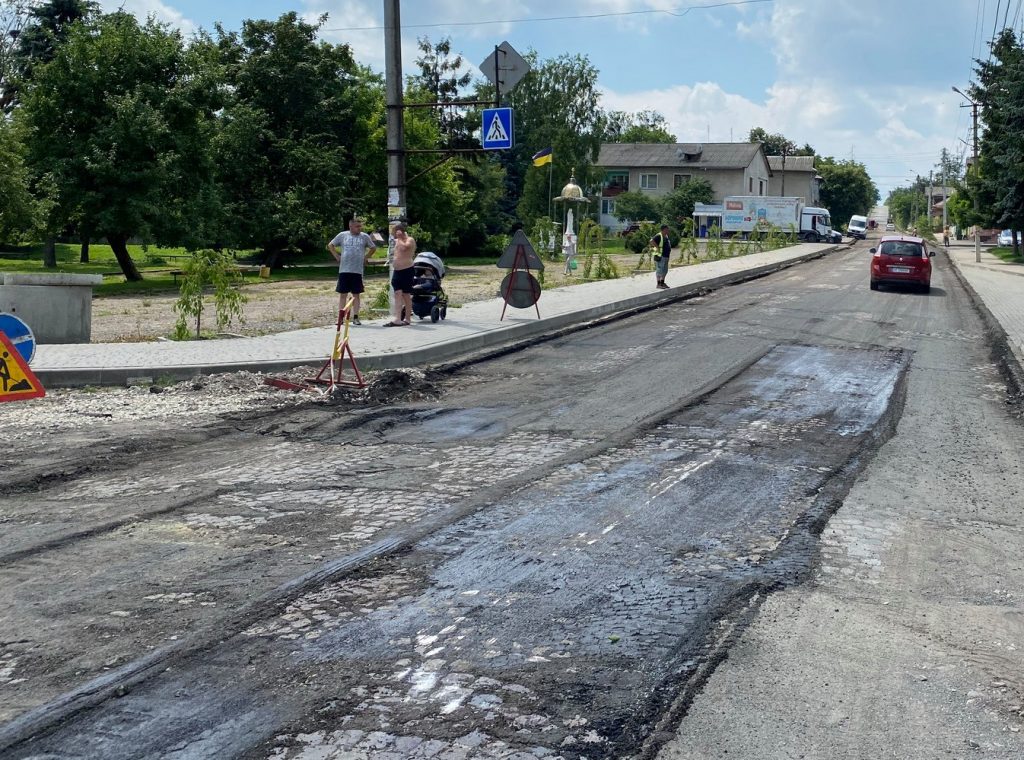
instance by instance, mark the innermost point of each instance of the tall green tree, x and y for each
(557, 105)
(999, 179)
(301, 143)
(640, 127)
(776, 144)
(46, 27)
(846, 188)
(442, 77)
(18, 209)
(120, 121)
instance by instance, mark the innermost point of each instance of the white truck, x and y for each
(745, 213)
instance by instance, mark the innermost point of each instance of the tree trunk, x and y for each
(84, 256)
(50, 253)
(119, 244)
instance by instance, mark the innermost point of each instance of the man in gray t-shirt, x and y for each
(352, 249)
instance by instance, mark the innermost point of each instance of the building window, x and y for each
(680, 179)
(760, 187)
(751, 188)
(648, 181)
(619, 180)
(608, 207)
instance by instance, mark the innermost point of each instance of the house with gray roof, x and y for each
(731, 168)
(795, 177)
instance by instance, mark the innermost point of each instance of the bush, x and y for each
(208, 268)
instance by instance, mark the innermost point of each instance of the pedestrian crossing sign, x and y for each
(497, 129)
(17, 381)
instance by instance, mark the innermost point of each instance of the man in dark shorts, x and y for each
(663, 245)
(352, 249)
(403, 276)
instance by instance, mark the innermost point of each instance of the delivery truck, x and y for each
(742, 214)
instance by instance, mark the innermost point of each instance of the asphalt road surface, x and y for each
(780, 520)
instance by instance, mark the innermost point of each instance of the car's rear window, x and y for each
(901, 248)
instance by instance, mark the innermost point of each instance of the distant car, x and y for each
(901, 260)
(835, 236)
(890, 227)
(1006, 238)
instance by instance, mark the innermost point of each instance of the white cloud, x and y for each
(143, 9)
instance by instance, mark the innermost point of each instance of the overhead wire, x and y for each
(678, 11)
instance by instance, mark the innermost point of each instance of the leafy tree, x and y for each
(557, 105)
(846, 188)
(635, 206)
(777, 144)
(14, 15)
(905, 204)
(302, 135)
(120, 122)
(18, 209)
(205, 269)
(46, 27)
(443, 78)
(677, 205)
(1000, 93)
(641, 127)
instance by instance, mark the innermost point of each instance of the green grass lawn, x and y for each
(1006, 254)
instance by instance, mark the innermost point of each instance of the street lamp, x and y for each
(974, 114)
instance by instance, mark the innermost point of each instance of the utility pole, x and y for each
(783, 171)
(974, 165)
(395, 120)
(395, 131)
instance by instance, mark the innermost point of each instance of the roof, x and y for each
(662, 155)
(793, 163)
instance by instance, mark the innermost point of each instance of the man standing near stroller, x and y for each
(403, 277)
(356, 249)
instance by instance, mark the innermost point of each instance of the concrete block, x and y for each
(58, 307)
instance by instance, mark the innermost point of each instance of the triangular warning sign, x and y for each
(17, 381)
(496, 132)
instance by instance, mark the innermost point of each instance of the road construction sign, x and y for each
(20, 334)
(17, 381)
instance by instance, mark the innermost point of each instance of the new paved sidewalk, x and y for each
(472, 327)
(1000, 287)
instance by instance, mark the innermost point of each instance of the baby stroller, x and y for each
(428, 297)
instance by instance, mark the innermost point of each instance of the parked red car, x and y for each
(901, 260)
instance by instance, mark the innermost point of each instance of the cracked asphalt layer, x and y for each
(585, 520)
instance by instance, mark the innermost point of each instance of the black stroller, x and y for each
(428, 297)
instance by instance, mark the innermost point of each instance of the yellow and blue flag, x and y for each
(542, 157)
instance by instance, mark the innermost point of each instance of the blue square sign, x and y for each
(497, 129)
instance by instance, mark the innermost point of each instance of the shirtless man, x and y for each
(402, 278)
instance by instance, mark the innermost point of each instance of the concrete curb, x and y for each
(1008, 358)
(438, 352)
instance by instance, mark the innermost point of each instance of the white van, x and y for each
(858, 227)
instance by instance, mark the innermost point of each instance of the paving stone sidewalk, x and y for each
(999, 285)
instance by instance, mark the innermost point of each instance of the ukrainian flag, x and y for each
(542, 157)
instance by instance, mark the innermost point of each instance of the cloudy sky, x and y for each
(863, 79)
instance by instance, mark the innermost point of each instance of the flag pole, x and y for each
(551, 165)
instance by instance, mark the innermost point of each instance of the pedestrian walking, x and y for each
(352, 249)
(663, 245)
(945, 236)
(402, 278)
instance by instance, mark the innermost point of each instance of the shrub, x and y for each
(204, 269)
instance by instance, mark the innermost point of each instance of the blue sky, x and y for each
(867, 79)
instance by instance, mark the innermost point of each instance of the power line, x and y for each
(678, 12)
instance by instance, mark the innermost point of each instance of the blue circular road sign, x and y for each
(20, 334)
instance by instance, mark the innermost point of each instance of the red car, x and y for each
(901, 260)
